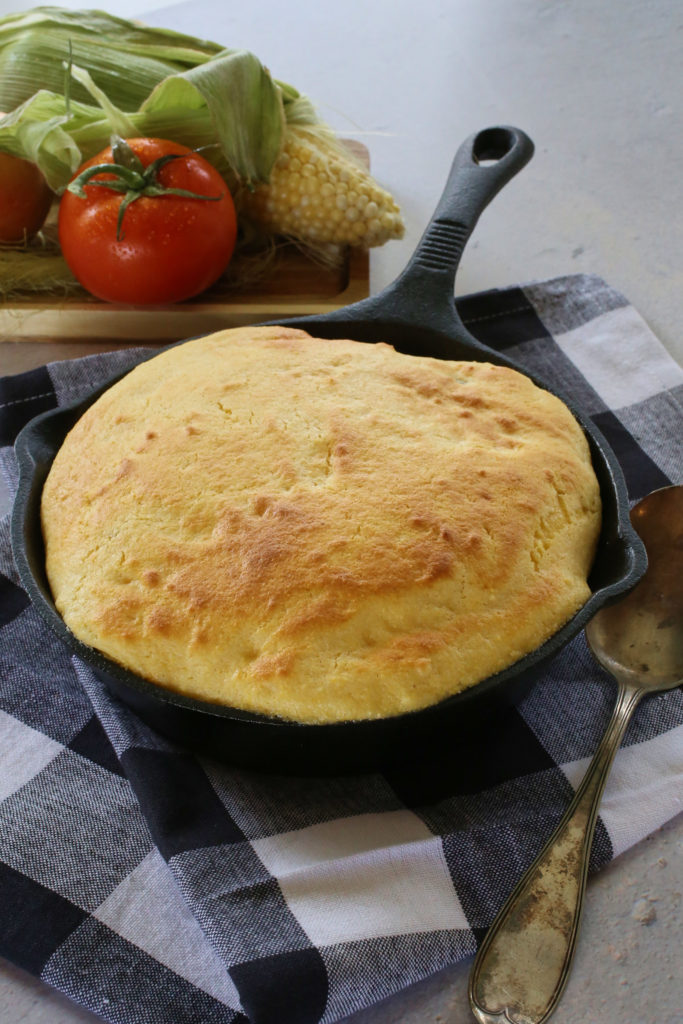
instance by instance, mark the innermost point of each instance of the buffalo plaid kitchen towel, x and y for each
(155, 887)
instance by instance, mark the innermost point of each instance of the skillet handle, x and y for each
(483, 164)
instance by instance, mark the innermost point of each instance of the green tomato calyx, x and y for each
(132, 179)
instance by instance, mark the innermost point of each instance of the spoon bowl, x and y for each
(640, 639)
(524, 962)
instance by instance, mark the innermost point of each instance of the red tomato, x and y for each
(24, 199)
(170, 247)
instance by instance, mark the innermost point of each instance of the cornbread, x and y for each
(319, 530)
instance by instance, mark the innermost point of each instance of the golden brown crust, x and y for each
(320, 530)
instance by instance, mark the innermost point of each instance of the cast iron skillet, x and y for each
(417, 315)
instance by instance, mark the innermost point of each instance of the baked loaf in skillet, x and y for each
(319, 530)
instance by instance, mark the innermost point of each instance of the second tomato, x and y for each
(167, 247)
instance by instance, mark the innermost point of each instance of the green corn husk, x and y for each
(125, 59)
(135, 80)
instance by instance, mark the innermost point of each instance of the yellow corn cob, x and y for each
(318, 194)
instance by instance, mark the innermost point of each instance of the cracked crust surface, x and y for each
(319, 530)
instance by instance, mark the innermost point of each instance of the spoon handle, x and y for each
(524, 962)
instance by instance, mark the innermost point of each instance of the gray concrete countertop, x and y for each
(598, 88)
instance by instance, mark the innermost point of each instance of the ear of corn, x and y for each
(289, 172)
(317, 192)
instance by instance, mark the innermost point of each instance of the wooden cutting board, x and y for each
(295, 285)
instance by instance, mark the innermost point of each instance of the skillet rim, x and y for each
(31, 445)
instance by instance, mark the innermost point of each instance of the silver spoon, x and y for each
(523, 964)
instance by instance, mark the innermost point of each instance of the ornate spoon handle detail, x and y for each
(524, 962)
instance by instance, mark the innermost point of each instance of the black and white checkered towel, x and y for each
(152, 886)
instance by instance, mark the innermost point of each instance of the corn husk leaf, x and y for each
(298, 108)
(120, 123)
(244, 105)
(125, 59)
(37, 132)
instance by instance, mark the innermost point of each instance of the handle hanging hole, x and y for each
(492, 145)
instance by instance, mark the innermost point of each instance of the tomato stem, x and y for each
(126, 156)
(132, 179)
